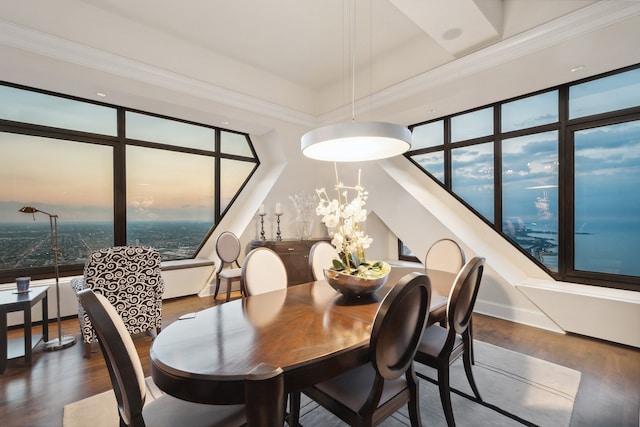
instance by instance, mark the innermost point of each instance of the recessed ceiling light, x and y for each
(224, 122)
(578, 68)
(101, 94)
(452, 34)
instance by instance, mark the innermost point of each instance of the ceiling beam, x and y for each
(457, 26)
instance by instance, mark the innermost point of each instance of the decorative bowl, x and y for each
(353, 286)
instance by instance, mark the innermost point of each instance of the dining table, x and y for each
(310, 331)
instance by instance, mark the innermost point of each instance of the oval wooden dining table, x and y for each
(310, 331)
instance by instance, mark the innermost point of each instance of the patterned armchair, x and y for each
(129, 276)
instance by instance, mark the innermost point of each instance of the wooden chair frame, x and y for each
(390, 375)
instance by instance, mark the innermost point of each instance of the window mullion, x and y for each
(120, 184)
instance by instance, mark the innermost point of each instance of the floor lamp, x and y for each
(62, 341)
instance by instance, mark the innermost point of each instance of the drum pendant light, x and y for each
(355, 141)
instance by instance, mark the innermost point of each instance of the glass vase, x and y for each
(303, 227)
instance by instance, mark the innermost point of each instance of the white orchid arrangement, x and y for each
(344, 218)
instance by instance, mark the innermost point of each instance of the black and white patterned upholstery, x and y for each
(130, 278)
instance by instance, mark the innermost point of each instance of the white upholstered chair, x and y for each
(228, 250)
(129, 386)
(444, 255)
(262, 271)
(321, 256)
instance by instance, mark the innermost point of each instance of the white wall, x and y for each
(187, 280)
(68, 301)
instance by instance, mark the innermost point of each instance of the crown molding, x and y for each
(591, 18)
(57, 48)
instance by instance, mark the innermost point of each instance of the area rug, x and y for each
(101, 410)
(516, 390)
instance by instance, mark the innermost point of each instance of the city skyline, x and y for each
(29, 245)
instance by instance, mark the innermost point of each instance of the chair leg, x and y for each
(293, 418)
(414, 399)
(87, 350)
(466, 358)
(445, 394)
(470, 332)
(215, 293)
(229, 283)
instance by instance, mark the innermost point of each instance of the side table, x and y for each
(10, 301)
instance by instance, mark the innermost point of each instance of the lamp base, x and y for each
(59, 344)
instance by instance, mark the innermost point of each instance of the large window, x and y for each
(530, 194)
(606, 198)
(112, 176)
(567, 171)
(472, 177)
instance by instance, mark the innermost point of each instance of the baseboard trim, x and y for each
(523, 316)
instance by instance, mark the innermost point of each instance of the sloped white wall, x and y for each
(419, 211)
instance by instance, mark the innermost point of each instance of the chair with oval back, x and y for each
(321, 256)
(369, 394)
(127, 379)
(445, 255)
(440, 347)
(262, 271)
(228, 250)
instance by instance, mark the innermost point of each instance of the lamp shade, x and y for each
(356, 141)
(28, 209)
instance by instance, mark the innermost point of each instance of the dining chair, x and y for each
(131, 279)
(228, 250)
(367, 395)
(445, 255)
(321, 256)
(128, 381)
(440, 346)
(262, 271)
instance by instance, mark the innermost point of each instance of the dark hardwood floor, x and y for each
(609, 393)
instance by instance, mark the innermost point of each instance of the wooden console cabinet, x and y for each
(295, 255)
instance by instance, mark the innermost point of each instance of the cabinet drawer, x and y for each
(297, 248)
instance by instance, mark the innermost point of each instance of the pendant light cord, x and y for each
(352, 42)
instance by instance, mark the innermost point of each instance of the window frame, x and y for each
(118, 144)
(565, 128)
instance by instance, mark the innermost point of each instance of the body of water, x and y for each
(609, 249)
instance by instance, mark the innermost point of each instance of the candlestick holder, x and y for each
(262, 226)
(278, 236)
